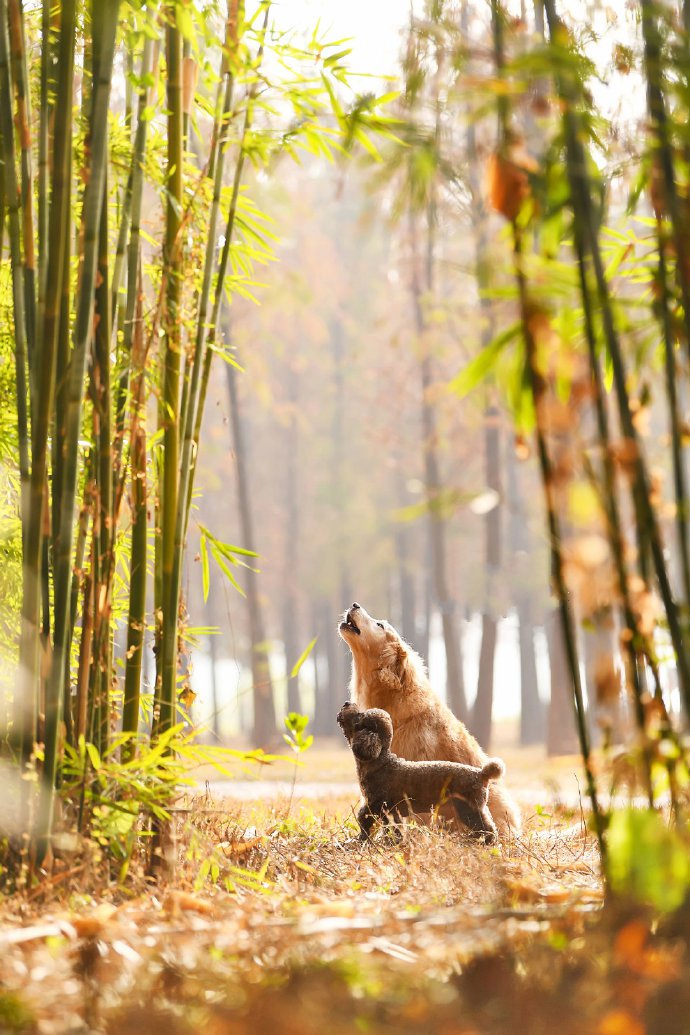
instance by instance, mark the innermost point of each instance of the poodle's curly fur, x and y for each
(388, 674)
(393, 787)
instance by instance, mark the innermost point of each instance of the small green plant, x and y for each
(298, 743)
(118, 792)
(295, 739)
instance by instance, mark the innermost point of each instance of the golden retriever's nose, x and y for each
(355, 607)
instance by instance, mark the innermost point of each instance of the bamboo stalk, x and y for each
(131, 212)
(25, 702)
(193, 453)
(104, 520)
(167, 660)
(660, 125)
(23, 124)
(136, 622)
(680, 489)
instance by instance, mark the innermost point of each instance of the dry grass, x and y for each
(273, 918)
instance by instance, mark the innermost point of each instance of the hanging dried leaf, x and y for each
(607, 682)
(507, 186)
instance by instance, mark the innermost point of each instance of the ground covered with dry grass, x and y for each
(273, 917)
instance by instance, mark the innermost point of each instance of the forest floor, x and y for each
(270, 916)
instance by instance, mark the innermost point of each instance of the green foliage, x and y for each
(648, 859)
(136, 781)
(295, 738)
(224, 555)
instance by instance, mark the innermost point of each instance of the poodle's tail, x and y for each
(493, 770)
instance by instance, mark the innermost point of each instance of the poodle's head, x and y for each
(377, 647)
(369, 733)
(473, 807)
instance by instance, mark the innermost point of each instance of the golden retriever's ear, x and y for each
(366, 744)
(394, 663)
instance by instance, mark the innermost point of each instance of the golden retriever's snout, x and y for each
(349, 624)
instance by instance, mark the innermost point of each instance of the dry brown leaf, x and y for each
(620, 1022)
(89, 925)
(183, 902)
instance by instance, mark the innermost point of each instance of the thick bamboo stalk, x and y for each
(25, 702)
(130, 223)
(23, 124)
(104, 26)
(104, 518)
(679, 477)
(136, 622)
(229, 235)
(664, 152)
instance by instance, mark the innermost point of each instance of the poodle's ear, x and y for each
(492, 770)
(366, 744)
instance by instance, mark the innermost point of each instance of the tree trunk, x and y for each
(338, 675)
(455, 686)
(561, 734)
(532, 712)
(406, 578)
(291, 640)
(264, 731)
(483, 705)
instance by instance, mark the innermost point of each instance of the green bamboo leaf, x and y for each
(302, 658)
(223, 565)
(479, 368)
(94, 756)
(204, 566)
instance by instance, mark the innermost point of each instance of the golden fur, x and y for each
(388, 674)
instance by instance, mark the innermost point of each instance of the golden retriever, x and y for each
(388, 674)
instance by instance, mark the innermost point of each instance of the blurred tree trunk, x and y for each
(483, 705)
(600, 652)
(264, 731)
(323, 704)
(403, 532)
(532, 711)
(455, 683)
(291, 640)
(337, 683)
(561, 734)
(213, 661)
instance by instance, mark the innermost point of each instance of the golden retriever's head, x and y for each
(376, 647)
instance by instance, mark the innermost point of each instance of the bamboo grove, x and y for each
(129, 134)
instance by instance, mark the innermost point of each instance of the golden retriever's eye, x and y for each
(380, 625)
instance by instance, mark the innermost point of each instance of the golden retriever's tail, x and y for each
(504, 810)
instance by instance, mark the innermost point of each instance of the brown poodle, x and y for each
(393, 787)
(388, 674)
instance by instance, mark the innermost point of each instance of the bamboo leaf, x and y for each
(302, 658)
(204, 566)
(479, 368)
